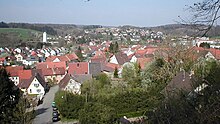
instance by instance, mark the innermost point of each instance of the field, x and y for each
(22, 34)
(14, 36)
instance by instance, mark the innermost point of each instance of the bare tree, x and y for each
(204, 15)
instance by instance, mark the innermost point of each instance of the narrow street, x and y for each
(44, 111)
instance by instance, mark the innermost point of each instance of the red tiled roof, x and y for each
(53, 71)
(51, 58)
(121, 58)
(99, 54)
(78, 68)
(13, 71)
(57, 65)
(72, 56)
(63, 83)
(59, 71)
(151, 50)
(215, 53)
(110, 67)
(24, 74)
(43, 65)
(2, 59)
(143, 61)
(25, 83)
(98, 59)
(141, 52)
(47, 71)
(64, 58)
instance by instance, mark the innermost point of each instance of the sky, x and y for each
(144, 13)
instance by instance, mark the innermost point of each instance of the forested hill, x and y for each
(181, 30)
(60, 29)
(37, 27)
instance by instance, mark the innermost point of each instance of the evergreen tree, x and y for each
(9, 97)
(79, 54)
(116, 48)
(111, 48)
(116, 72)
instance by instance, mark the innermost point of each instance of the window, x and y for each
(38, 90)
(85, 72)
(30, 91)
(77, 64)
(36, 85)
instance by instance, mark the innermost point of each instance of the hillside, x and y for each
(15, 36)
(181, 30)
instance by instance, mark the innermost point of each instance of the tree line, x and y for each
(41, 28)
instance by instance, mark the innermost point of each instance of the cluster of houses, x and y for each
(132, 34)
(65, 69)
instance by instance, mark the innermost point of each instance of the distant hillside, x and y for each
(37, 27)
(181, 30)
(15, 36)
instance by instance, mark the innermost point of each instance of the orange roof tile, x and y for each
(25, 74)
(143, 61)
(78, 68)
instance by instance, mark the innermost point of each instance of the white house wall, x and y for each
(15, 80)
(36, 88)
(133, 59)
(73, 87)
(113, 60)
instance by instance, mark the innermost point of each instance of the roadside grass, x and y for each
(68, 120)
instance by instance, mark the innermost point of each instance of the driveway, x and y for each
(44, 111)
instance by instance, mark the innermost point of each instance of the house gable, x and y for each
(73, 86)
(56, 60)
(209, 55)
(114, 60)
(36, 87)
(133, 59)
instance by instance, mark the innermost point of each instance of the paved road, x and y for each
(44, 111)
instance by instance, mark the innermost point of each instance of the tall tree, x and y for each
(116, 47)
(131, 74)
(116, 72)
(9, 97)
(111, 48)
(79, 54)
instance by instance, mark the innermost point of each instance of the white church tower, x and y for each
(44, 37)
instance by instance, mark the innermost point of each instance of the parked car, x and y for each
(53, 104)
(55, 109)
(55, 118)
(55, 113)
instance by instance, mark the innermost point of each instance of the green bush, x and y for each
(96, 113)
(69, 104)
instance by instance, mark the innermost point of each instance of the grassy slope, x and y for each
(23, 34)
